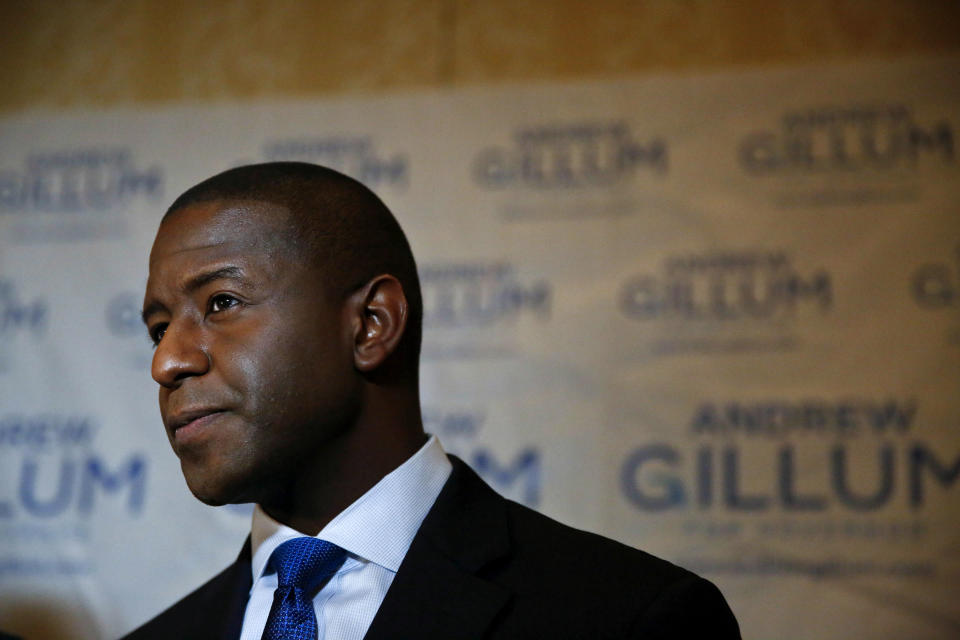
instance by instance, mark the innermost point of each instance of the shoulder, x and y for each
(568, 583)
(587, 579)
(541, 542)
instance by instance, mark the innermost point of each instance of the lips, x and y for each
(183, 418)
(189, 424)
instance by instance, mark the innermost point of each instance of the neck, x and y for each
(386, 433)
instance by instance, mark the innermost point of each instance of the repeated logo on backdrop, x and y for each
(80, 186)
(55, 480)
(726, 301)
(357, 156)
(555, 161)
(796, 470)
(847, 138)
(587, 154)
(877, 147)
(467, 307)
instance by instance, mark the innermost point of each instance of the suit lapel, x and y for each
(223, 600)
(439, 591)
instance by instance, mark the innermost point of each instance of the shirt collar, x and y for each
(380, 525)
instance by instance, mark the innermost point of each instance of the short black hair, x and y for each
(337, 222)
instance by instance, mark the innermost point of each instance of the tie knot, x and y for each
(306, 563)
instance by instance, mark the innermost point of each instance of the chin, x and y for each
(215, 492)
(208, 496)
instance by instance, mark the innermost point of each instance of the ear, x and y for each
(380, 319)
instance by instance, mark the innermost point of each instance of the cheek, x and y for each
(267, 374)
(281, 369)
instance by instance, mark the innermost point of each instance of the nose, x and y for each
(179, 355)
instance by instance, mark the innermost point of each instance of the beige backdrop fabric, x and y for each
(714, 317)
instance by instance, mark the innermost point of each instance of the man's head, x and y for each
(284, 304)
(333, 221)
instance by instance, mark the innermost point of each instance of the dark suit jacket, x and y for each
(482, 566)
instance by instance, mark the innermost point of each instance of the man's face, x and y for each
(253, 352)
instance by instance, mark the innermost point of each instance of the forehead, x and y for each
(220, 227)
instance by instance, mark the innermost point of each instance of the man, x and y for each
(284, 304)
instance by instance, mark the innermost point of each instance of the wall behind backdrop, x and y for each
(691, 275)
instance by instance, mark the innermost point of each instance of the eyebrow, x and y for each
(196, 282)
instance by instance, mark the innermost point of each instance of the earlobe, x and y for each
(382, 321)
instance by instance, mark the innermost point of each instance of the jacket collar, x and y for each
(439, 591)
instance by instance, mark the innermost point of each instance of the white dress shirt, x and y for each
(376, 532)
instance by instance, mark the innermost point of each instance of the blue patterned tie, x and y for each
(302, 565)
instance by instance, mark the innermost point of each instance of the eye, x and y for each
(222, 302)
(156, 333)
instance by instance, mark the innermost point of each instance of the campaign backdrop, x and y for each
(715, 317)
